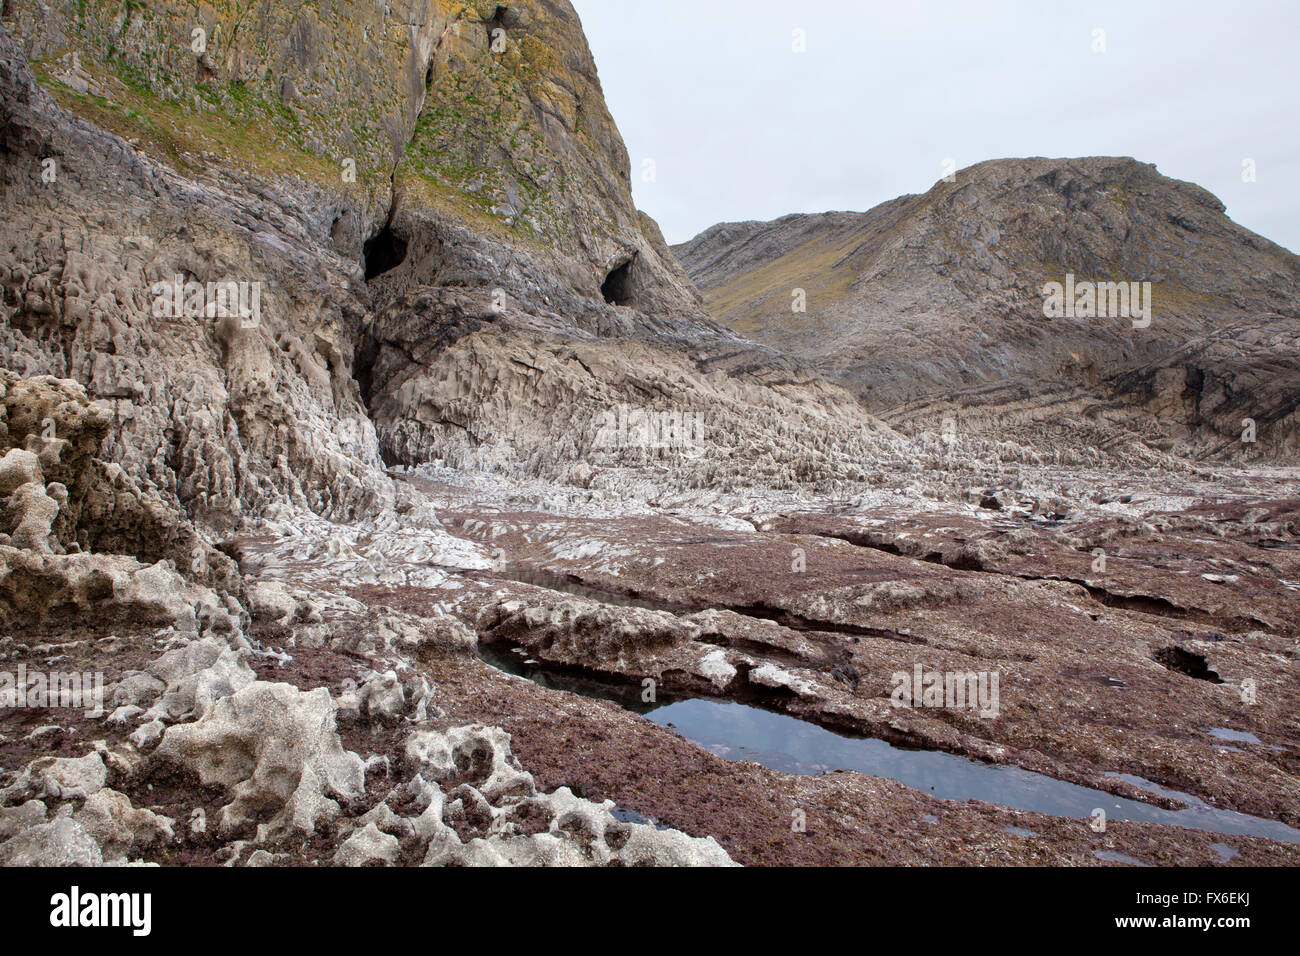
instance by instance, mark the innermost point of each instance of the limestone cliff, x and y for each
(401, 184)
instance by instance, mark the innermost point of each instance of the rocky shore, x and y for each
(399, 567)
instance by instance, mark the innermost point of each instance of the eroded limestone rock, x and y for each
(275, 750)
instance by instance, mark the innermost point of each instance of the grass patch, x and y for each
(186, 138)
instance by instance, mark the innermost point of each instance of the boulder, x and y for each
(61, 842)
(275, 750)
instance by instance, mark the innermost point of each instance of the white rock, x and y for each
(121, 829)
(125, 715)
(147, 734)
(482, 751)
(61, 842)
(68, 778)
(715, 668)
(769, 675)
(137, 689)
(271, 601)
(198, 675)
(18, 468)
(272, 746)
(14, 820)
(36, 512)
(382, 697)
(367, 847)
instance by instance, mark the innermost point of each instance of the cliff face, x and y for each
(214, 338)
(487, 113)
(225, 418)
(940, 295)
(424, 198)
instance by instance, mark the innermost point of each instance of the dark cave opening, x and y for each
(384, 252)
(363, 366)
(1185, 662)
(364, 361)
(498, 22)
(617, 287)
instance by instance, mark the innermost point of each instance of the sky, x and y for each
(737, 124)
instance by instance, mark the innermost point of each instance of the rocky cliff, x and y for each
(247, 254)
(432, 201)
(933, 304)
(341, 383)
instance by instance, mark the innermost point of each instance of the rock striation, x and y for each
(932, 305)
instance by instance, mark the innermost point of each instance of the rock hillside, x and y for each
(933, 304)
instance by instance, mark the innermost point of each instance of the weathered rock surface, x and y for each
(195, 504)
(931, 306)
(62, 842)
(121, 830)
(270, 746)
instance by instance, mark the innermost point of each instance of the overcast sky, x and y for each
(740, 126)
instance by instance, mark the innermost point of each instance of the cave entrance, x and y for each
(384, 252)
(363, 365)
(617, 287)
(496, 30)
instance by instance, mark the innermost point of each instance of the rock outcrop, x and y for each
(932, 306)
(444, 264)
(321, 325)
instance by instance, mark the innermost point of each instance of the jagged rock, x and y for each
(649, 846)
(715, 668)
(36, 584)
(382, 817)
(98, 505)
(196, 676)
(539, 849)
(270, 601)
(157, 590)
(147, 734)
(35, 512)
(120, 829)
(17, 468)
(388, 697)
(124, 715)
(136, 690)
(207, 424)
(443, 632)
(60, 778)
(61, 842)
(579, 832)
(368, 847)
(474, 750)
(14, 820)
(769, 675)
(382, 697)
(431, 802)
(576, 630)
(275, 750)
